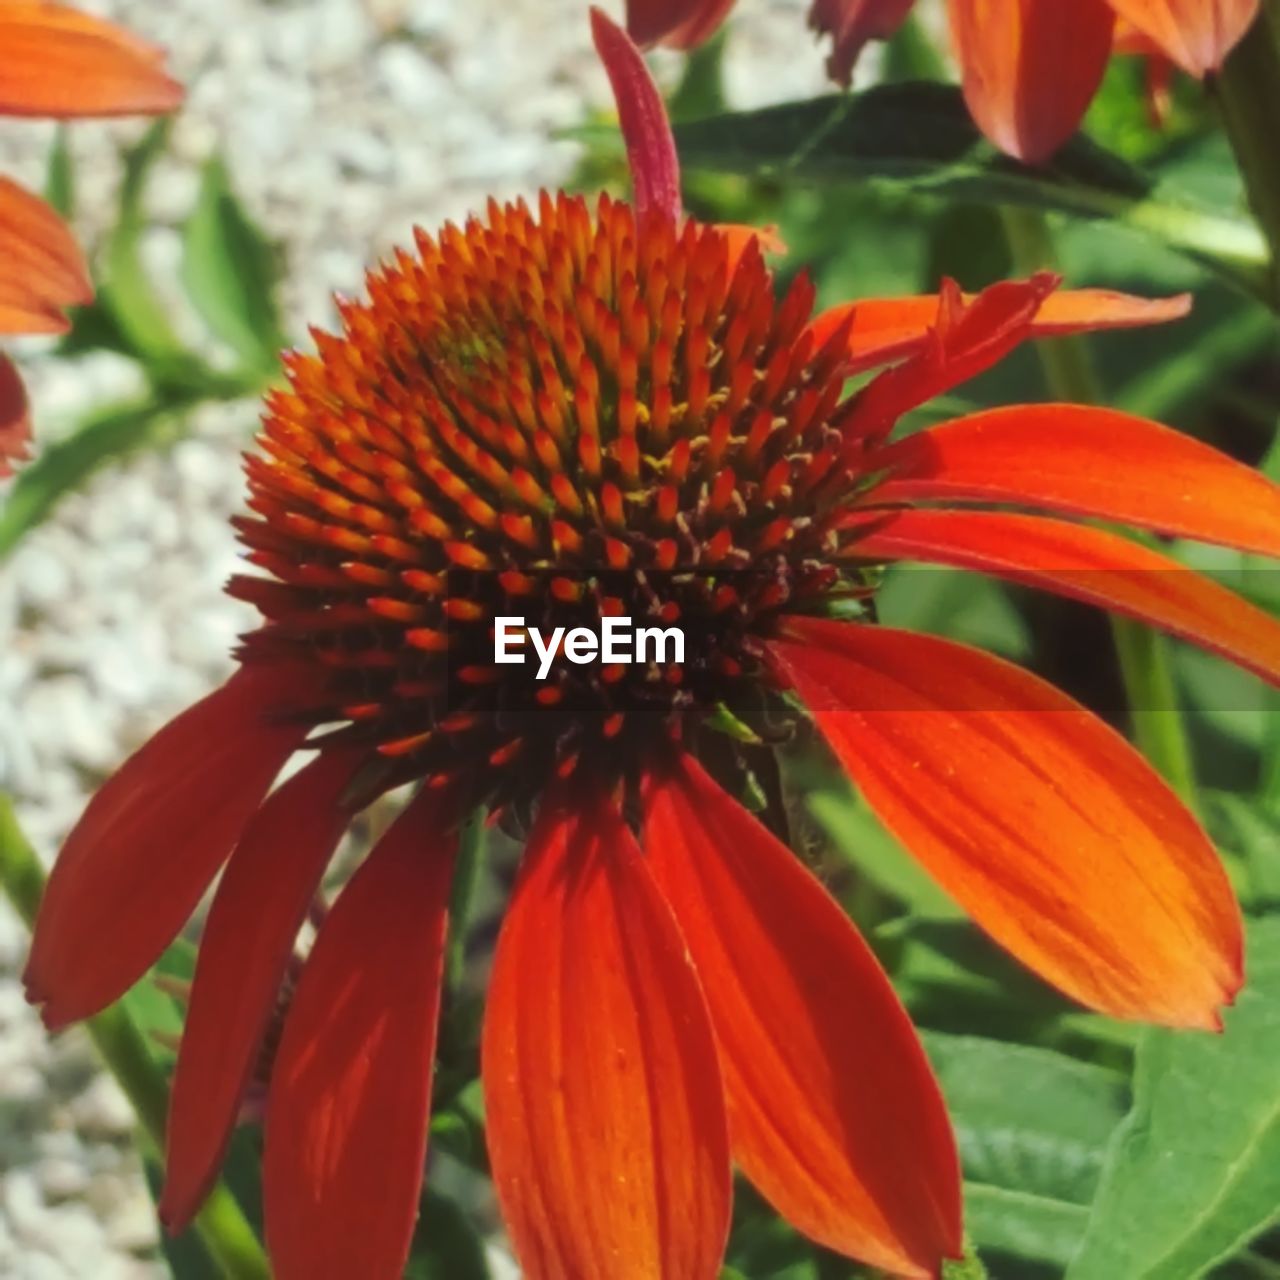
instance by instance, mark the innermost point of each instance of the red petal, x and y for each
(887, 329)
(1196, 34)
(15, 417)
(60, 62)
(1043, 823)
(678, 24)
(346, 1129)
(259, 907)
(833, 1111)
(1088, 461)
(148, 845)
(651, 148)
(603, 1100)
(850, 24)
(1087, 564)
(1030, 68)
(966, 338)
(41, 267)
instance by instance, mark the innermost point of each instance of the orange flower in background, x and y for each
(574, 413)
(1030, 68)
(61, 64)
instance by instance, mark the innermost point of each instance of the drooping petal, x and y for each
(603, 1100)
(347, 1114)
(148, 845)
(15, 417)
(965, 339)
(1042, 822)
(1086, 564)
(1088, 461)
(63, 63)
(248, 938)
(678, 24)
(1030, 68)
(651, 148)
(834, 1113)
(41, 267)
(850, 24)
(1196, 34)
(888, 329)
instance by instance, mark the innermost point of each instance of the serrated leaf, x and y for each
(230, 270)
(1194, 1172)
(920, 135)
(1032, 1127)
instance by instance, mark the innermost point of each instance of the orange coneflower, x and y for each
(577, 412)
(61, 64)
(1030, 68)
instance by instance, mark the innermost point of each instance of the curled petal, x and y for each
(41, 267)
(148, 846)
(850, 24)
(15, 417)
(603, 1101)
(245, 948)
(1086, 564)
(1088, 461)
(63, 63)
(678, 24)
(966, 338)
(346, 1129)
(888, 329)
(824, 1075)
(1042, 822)
(1030, 68)
(1196, 34)
(651, 148)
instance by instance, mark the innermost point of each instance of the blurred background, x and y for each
(315, 135)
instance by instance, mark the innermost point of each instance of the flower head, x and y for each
(567, 413)
(61, 64)
(1030, 68)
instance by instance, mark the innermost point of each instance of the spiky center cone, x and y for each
(558, 418)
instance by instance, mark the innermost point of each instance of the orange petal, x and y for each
(887, 329)
(1030, 68)
(1196, 34)
(1086, 564)
(678, 24)
(147, 846)
(651, 147)
(15, 417)
(1042, 822)
(740, 237)
(603, 1100)
(253, 924)
(41, 267)
(965, 339)
(346, 1129)
(833, 1111)
(850, 24)
(1088, 461)
(63, 63)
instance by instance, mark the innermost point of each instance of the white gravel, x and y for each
(344, 122)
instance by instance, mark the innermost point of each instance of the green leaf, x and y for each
(108, 434)
(1032, 1128)
(1194, 1172)
(446, 1244)
(920, 135)
(60, 177)
(230, 270)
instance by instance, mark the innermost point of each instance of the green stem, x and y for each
(466, 879)
(1248, 94)
(123, 1047)
(1143, 654)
